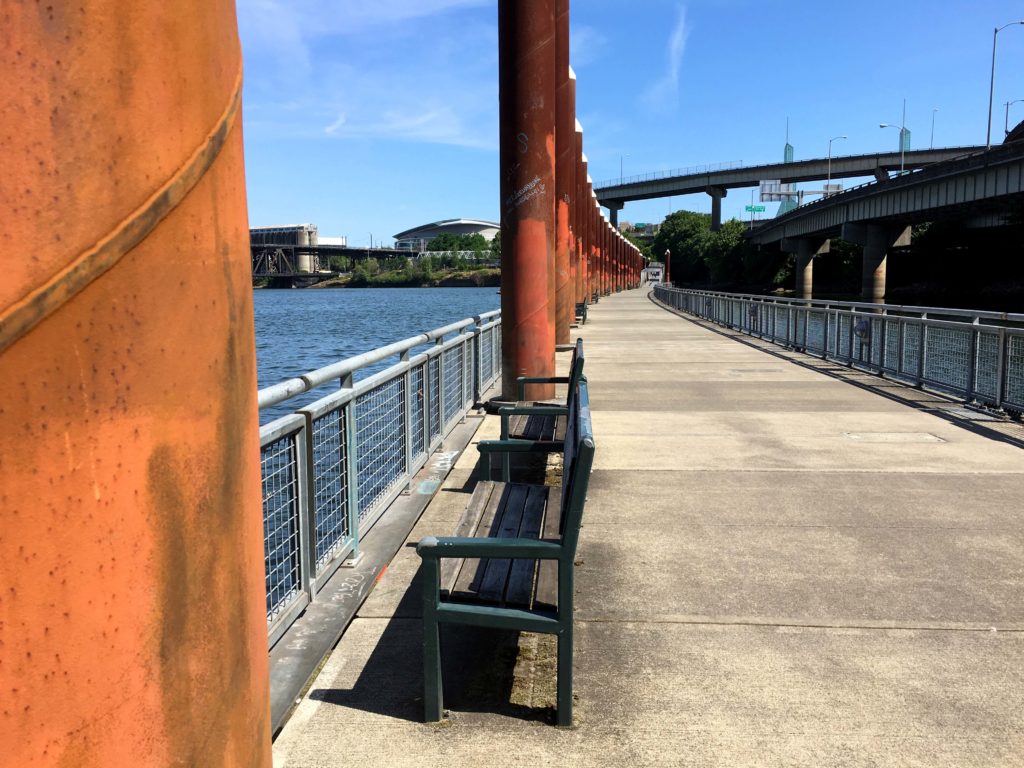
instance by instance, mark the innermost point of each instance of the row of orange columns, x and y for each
(558, 250)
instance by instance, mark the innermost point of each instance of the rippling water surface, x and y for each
(301, 330)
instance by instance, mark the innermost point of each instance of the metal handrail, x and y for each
(975, 355)
(658, 175)
(332, 468)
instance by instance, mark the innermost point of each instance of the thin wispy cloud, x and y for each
(414, 77)
(663, 93)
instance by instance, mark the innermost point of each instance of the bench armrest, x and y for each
(436, 547)
(522, 381)
(533, 410)
(513, 445)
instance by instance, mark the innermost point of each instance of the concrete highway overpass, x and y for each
(980, 189)
(717, 180)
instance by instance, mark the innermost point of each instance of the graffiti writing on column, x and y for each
(525, 194)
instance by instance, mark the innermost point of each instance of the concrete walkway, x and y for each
(778, 568)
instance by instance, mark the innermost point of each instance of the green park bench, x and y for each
(510, 563)
(542, 423)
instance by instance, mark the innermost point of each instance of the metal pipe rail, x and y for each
(977, 356)
(331, 468)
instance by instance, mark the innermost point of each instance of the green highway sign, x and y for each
(755, 208)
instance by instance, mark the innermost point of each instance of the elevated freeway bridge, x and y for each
(981, 188)
(718, 179)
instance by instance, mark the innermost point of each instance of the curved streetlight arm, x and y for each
(1006, 118)
(828, 178)
(992, 82)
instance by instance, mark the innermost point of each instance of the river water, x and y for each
(300, 330)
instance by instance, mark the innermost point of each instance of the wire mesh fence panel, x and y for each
(1015, 372)
(843, 334)
(816, 332)
(453, 394)
(877, 329)
(435, 398)
(986, 367)
(330, 505)
(947, 358)
(467, 374)
(419, 399)
(891, 340)
(487, 357)
(380, 442)
(799, 326)
(911, 360)
(781, 324)
(282, 558)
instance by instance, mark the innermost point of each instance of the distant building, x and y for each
(416, 239)
(286, 234)
(640, 230)
(654, 272)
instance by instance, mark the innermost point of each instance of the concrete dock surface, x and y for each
(783, 563)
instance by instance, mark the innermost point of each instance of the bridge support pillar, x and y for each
(806, 249)
(613, 211)
(716, 193)
(877, 239)
(526, 102)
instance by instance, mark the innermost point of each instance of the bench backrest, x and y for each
(575, 369)
(577, 464)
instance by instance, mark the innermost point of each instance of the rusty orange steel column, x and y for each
(588, 219)
(526, 69)
(565, 145)
(578, 207)
(133, 608)
(602, 252)
(595, 260)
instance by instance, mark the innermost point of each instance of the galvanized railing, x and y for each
(977, 356)
(331, 468)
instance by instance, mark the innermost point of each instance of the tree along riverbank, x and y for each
(405, 278)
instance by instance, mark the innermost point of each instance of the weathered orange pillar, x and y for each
(565, 166)
(579, 209)
(132, 601)
(526, 72)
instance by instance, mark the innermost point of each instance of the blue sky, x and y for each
(368, 118)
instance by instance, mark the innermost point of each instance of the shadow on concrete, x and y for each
(478, 663)
(906, 394)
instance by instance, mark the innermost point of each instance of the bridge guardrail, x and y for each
(977, 356)
(331, 468)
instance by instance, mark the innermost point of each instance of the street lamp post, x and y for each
(992, 82)
(1006, 119)
(903, 131)
(829, 177)
(931, 143)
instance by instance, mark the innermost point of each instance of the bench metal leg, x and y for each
(565, 614)
(432, 686)
(565, 676)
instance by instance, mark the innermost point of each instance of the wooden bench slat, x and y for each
(546, 594)
(467, 580)
(522, 576)
(468, 526)
(495, 573)
(546, 428)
